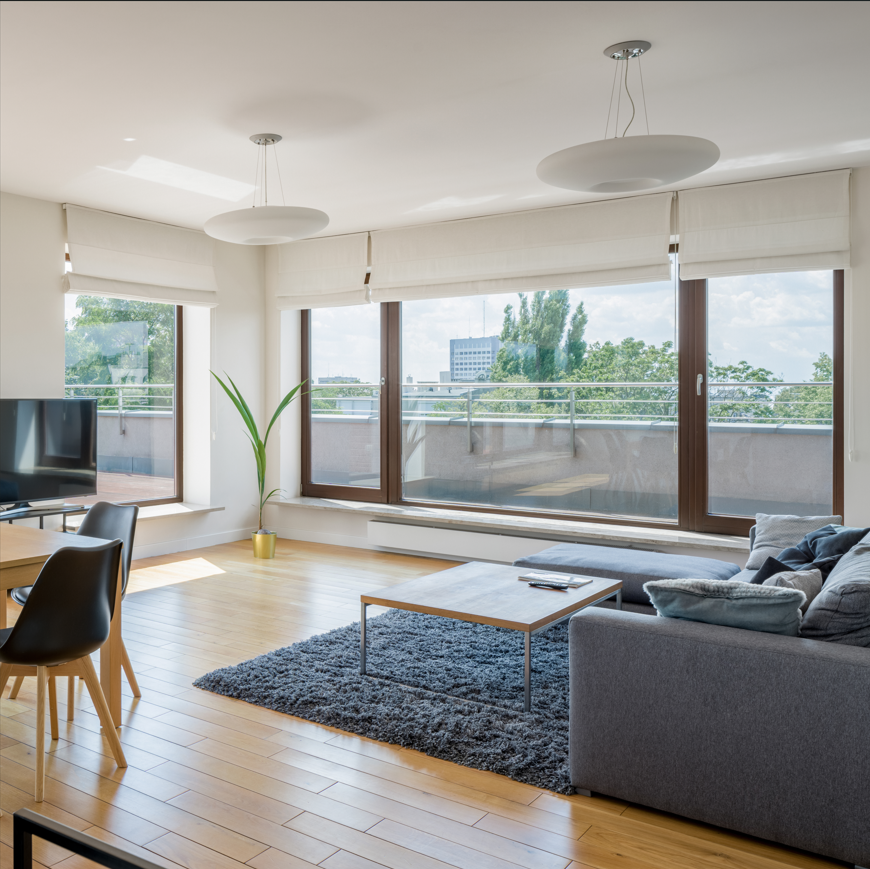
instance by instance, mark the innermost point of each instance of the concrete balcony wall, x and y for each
(147, 445)
(620, 468)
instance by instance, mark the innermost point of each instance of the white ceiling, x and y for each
(406, 112)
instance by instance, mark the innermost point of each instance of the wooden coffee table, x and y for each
(489, 594)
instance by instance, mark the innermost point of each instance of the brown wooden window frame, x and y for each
(692, 430)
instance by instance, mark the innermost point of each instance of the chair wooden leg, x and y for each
(70, 698)
(41, 679)
(16, 687)
(5, 670)
(89, 674)
(128, 670)
(52, 707)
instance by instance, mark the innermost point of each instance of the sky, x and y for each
(780, 322)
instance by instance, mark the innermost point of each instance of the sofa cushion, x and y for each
(807, 581)
(775, 533)
(841, 612)
(633, 566)
(731, 604)
(770, 568)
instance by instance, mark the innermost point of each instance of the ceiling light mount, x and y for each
(264, 223)
(265, 138)
(627, 50)
(627, 164)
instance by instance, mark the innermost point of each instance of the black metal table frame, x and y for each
(527, 704)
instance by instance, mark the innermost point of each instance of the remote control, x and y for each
(546, 583)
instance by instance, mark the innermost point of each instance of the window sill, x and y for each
(158, 511)
(525, 525)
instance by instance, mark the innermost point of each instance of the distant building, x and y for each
(338, 380)
(472, 358)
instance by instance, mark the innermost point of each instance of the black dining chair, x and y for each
(107, 521)
(67, 617)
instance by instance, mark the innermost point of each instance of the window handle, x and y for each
(699, 384)
(383, 381)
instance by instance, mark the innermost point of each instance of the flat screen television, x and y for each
(48, 449)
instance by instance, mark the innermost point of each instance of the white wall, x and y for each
(219, 465)
(32, 238)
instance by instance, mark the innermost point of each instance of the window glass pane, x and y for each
(345, 398)
(123, 354)
(770, 395)
(593, 442)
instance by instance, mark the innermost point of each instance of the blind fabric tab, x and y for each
(123, 257)
(323, 272)
(617, 241)
(800, 223)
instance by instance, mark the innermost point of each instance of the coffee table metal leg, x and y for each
(528, 698)
(619, 599)
(362, 638)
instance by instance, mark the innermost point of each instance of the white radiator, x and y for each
(450, 543)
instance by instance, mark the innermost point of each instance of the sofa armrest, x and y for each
(761, 733)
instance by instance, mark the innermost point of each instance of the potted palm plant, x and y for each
(263, 539)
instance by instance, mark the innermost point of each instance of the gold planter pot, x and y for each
(264, 544)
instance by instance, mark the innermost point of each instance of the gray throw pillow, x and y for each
(841, 611)
(775, 533)
(731, 603)
(807, 581)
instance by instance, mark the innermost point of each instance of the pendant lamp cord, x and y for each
(266, 172)
(280, 182)
(628, 94)
(256, 179)
(610, 104)
(643, 94)
(618, 102)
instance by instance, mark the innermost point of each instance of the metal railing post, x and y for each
(468, 417)
(571, 426)
(121, 427)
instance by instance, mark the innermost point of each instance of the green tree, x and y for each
(809, 405)
(736, 402)
(124, 335)
(575, 346)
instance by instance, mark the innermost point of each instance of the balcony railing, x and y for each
(729, 402)
(124, 399)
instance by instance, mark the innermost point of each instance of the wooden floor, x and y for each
(214, 782)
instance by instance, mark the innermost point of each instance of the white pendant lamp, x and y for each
(264, 223)
(626, 164)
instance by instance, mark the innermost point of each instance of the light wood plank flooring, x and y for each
(214, 782)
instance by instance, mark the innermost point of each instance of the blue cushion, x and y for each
(633, 566)
(732, 604)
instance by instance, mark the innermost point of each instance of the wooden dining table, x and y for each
(23, 551)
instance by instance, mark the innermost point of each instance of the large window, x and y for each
(126, 354)
(690, 404)
(567, 403)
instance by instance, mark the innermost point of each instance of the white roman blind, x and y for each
(619, 241)
(127, 258)
(800, 223)
(323, 272)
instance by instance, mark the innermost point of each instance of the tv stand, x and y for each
(25, 511)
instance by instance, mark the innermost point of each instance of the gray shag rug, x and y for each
(450, 689)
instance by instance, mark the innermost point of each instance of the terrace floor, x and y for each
(215, 783)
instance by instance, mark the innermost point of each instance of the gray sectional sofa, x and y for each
(761, 733)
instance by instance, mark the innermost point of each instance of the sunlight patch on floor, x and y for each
(172, 573)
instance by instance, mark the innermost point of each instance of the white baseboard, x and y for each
(147, 550)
